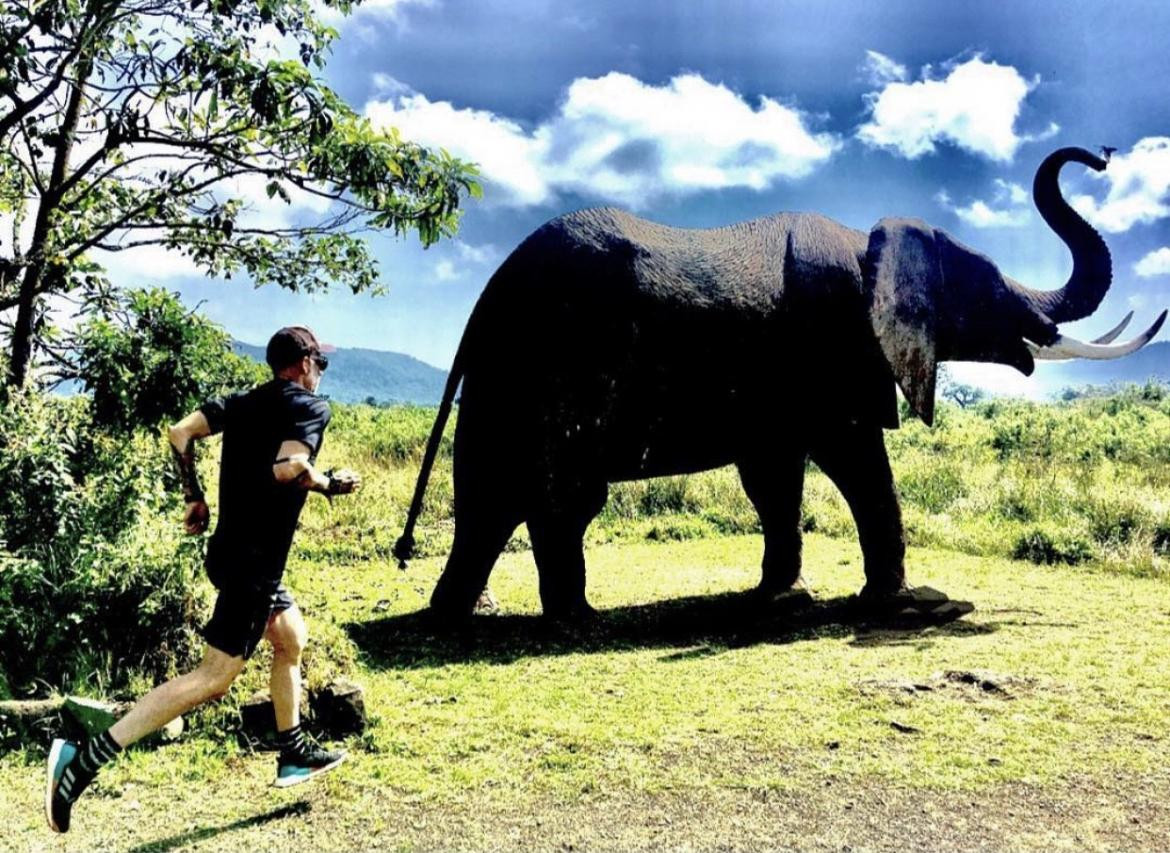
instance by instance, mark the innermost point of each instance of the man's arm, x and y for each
(183, 436)
(292, 466)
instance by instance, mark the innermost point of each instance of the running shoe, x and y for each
(57, 808)
(295, 769)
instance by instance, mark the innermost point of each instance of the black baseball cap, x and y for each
(292, 343)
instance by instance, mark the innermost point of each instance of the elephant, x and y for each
(607, 348)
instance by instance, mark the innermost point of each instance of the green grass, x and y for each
(685, 718)
(680, 694)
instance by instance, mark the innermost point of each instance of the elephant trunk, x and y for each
(1092, 265)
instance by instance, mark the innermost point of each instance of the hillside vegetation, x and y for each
(94, 540)
(1084, 482)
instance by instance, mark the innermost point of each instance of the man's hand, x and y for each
(343, 481)
(196, 517)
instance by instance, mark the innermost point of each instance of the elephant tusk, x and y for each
(1065, 347)
(1110, 336)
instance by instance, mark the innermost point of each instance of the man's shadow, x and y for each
(205, 832)
(689, 627)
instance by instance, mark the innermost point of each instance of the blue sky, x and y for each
(706, 113)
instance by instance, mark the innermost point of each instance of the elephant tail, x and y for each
(404, 547)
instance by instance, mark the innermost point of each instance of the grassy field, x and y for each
(687, 720)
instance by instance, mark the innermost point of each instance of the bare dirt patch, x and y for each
(1127, 813)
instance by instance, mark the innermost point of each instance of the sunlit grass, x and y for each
(682, 689)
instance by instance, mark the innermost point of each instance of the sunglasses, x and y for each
(321, 361)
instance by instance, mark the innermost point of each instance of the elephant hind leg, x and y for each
(774, 484)
(479, 539)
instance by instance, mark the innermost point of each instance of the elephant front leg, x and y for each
(774, 483)
(854, 458)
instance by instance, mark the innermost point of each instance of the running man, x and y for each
(271, 437)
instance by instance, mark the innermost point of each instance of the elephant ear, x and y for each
(903, 280)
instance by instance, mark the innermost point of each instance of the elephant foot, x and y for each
(571, 615)
(451, 605)
(909, 604)
(486, 604)
(791, 598)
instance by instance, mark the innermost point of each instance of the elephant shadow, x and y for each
(689, 627)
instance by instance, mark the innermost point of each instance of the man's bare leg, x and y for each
(298, 760)
(210, 680)
(287, 633)
(71, 768)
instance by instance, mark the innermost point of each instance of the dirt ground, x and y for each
(1125, 814)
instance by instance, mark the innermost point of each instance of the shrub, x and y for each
(1043, 546)
(147, 358)
(934, 487)
(1115, 521)
(677, 530)
(96, 576)
(667, 496)
(389, 435)
(1016, 503)
(1160, 540)
(96, 581)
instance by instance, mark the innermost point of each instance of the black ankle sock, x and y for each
(291, 741)
(97, 752)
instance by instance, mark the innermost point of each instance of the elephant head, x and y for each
(933, 299)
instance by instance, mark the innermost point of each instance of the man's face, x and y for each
(313, 367)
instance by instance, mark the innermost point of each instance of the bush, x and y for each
(934, 487)
(678, 530)
(96, 582)
(96, 577)
(1042, 546)
(148, 358)
(390, 435)
(667, 496)
(1115, 521)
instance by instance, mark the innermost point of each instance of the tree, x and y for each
(126, 123)
(959, 393)
(145, 359)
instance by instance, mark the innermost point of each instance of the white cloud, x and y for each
(1014, 193)
(145, 265)
(1139, 188)
(507, 155)
(974, 107)
(384, 85)
(1009, 208)
(1154, 264)
(476, 254)
(445, 271)
(391, 8)
(620, 139)
(388, 10)
(880, 69)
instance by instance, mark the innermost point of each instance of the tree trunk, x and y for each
(22, 331)
(23, 328)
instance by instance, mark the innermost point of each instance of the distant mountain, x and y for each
(355, 375)
(1151, 362)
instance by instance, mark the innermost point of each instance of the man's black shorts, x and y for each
(241, 617)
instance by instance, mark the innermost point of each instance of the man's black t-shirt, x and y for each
(258, 515)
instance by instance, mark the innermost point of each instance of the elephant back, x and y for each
(607, 255)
